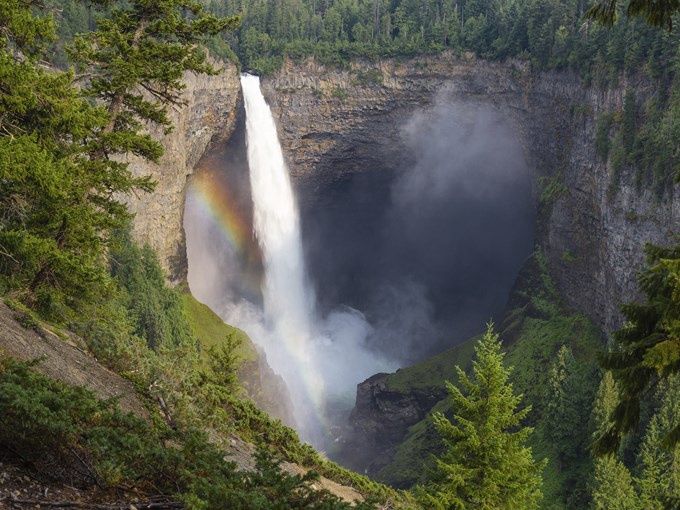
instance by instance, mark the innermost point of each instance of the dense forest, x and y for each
(68, 262)
(551, 35)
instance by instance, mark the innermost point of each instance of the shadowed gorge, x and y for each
(428, 250)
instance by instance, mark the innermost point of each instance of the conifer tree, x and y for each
(647, 348)
(56, 209)
(656, 12)
(659, 480)
(487, 464)
(134, 63)
(564, 416)
(61, 170)
(612, 486)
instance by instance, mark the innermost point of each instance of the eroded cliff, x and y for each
(208, 116)
(591, 229)
(591, 225)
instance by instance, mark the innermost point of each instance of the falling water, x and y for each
(288, 298)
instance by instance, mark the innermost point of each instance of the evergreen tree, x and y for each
(565, 426)
(648, 346)
(657, 12)
(61, 171)
(612, 487)
(659, 480)
(56, 208)
(487, 464)
(156, 310)
(564, 412)
(134, 63)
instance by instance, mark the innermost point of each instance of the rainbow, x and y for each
(216, 200)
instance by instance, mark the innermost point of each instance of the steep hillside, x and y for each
(267, 389)
(52, 368)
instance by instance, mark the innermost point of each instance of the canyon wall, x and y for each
(591, 226)
(208, 116)
(338, 121)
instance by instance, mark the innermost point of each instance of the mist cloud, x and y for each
(431, 256)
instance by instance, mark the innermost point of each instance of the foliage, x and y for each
(57, 209)
(657, 484)
(534, 332)
(563, 412)
(487, 463)
(551, 189)
(136, 59)
(613, 486)
(61, 157)
(648, 347)
(44, 419)
(192, 376)
(551, 34)
(657, 13)
(659, 480)
(210, 330)
(602, 140)
(157, 311)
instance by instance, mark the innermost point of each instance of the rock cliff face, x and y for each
(333, 122)
(208, 116)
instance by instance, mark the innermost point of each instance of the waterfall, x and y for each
(289, 303)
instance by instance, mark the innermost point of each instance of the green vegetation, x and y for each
(62, 153)
(53, 425)
(554, 358)
(551, 189)
(487, 463)
(432, 372)
(210, 330)
(656, 13)
(549, 34)
(650, 480)
(648, 347)
(553, 355)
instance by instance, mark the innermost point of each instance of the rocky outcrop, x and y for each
(266, 388)
(63, 357)
(209, 115)
(381, 418)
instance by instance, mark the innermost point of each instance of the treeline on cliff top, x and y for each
(553, 34)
